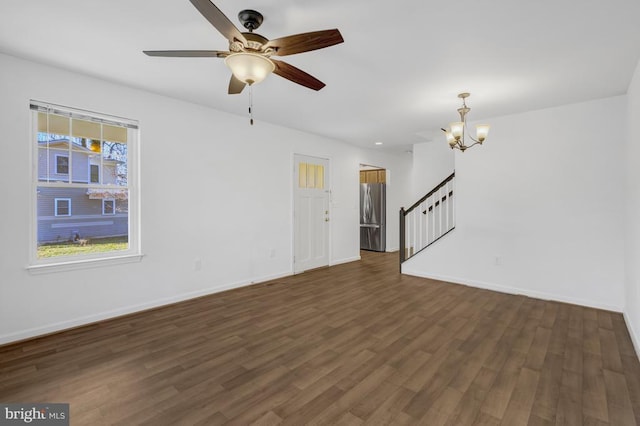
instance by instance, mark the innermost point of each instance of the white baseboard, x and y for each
(517, 291)
(635, 337)
(345, 260)
(89, 319)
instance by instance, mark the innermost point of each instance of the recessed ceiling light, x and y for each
(378, 143)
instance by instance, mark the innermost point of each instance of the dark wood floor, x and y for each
(351, 344)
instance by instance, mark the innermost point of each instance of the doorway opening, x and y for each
(373, 208)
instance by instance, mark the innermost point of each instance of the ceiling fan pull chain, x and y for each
(251, 104)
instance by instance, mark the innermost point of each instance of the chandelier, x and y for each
(457, 130)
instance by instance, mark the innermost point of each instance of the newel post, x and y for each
(402, 237)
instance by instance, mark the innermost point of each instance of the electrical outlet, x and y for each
(197, 264)
(498, 261)
(272, 253)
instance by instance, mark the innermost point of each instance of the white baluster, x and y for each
(453, 205)
(446, 192)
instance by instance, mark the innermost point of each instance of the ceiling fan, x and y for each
(250, 55)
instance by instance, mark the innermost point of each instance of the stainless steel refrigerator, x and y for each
(373, 229)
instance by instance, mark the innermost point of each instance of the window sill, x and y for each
(83, 264)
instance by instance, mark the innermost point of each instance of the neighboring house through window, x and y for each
(85, 160)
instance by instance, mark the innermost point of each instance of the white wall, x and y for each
(632, 226)
(540, 208)
(433, 162)
(227, 201)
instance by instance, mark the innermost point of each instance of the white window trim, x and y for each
(72, 265)
(55, 207)
(113, 212)
(68, 263)
(68, 164)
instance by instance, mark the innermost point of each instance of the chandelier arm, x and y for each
(475, 140)
(464, 134)
(475, 143)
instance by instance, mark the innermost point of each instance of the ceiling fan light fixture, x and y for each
(250, 68)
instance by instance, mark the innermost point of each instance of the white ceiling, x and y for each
(393, 80)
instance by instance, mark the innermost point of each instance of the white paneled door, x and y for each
(311, 213)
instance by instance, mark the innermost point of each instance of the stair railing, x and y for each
(427, 220)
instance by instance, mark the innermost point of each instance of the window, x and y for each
(62, 206)
(94, 173)
(108, 206)
(87, 161)
(311, 176)
(62, 164)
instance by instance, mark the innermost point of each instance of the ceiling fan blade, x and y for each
(305, 42)
(219, 20)
(188, 53)
(235, 85)
(296, 75)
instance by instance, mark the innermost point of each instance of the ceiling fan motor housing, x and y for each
(250, 19)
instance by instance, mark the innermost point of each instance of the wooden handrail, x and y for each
(433, 191)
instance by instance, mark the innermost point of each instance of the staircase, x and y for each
(428, 220)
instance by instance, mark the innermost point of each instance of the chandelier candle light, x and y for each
(456, 132)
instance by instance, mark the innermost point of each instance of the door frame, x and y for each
(293, 187)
